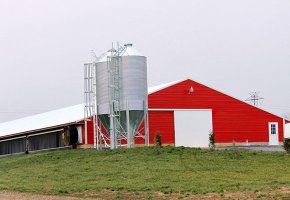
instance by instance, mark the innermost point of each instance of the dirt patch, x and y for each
(283, 193)
(5, 195)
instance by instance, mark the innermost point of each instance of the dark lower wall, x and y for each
(13, 146)
(45, 141)
(32, 143)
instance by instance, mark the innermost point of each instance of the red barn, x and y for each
(185, 112)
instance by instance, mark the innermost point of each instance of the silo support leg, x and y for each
(146, 129)
(128, 126)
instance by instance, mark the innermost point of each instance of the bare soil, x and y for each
(7, 195)
(283, 193)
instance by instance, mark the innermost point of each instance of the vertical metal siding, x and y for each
(32, 143)
(233, 120)
(45, 141)
(13, 146)
(162, 122)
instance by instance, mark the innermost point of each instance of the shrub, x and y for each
(286, 145)
(157, 142)
(211, 138)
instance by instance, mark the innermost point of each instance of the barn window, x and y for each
(273, 129)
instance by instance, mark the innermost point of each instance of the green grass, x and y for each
(141, 170)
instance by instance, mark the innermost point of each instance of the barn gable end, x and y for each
(233, 121)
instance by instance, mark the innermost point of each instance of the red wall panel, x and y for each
(233, 120)
(162, 122)
(90, 128)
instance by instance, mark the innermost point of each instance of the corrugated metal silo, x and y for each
(121, 90)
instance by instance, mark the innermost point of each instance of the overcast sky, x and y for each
(235, 46)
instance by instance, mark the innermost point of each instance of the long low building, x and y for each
(184, 112)
(41, 131)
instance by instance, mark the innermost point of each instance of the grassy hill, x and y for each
(175, 170)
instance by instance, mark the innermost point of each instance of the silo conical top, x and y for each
(129, 50)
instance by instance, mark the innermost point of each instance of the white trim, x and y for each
(15, 138)
(172, 109)
(283, 130)
(42, 133)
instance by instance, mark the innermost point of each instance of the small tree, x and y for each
(157, 142)
(211, 138)
(286, 145)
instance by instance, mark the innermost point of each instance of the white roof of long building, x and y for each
(61, 116)
(56, 117)
(162, 86)
(43, 120)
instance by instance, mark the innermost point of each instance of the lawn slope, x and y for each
(142, 170)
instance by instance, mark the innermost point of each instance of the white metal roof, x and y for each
(162, 86)
(43, 120)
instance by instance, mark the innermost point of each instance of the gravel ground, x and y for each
(258, 148)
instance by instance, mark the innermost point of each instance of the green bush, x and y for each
(211, 138)
(286, 145)
(157, 142)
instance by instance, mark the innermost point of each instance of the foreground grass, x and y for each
(141, 170)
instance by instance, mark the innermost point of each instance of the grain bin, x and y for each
(121, 90)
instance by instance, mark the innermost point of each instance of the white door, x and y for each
(192, 127)
(273, 133)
